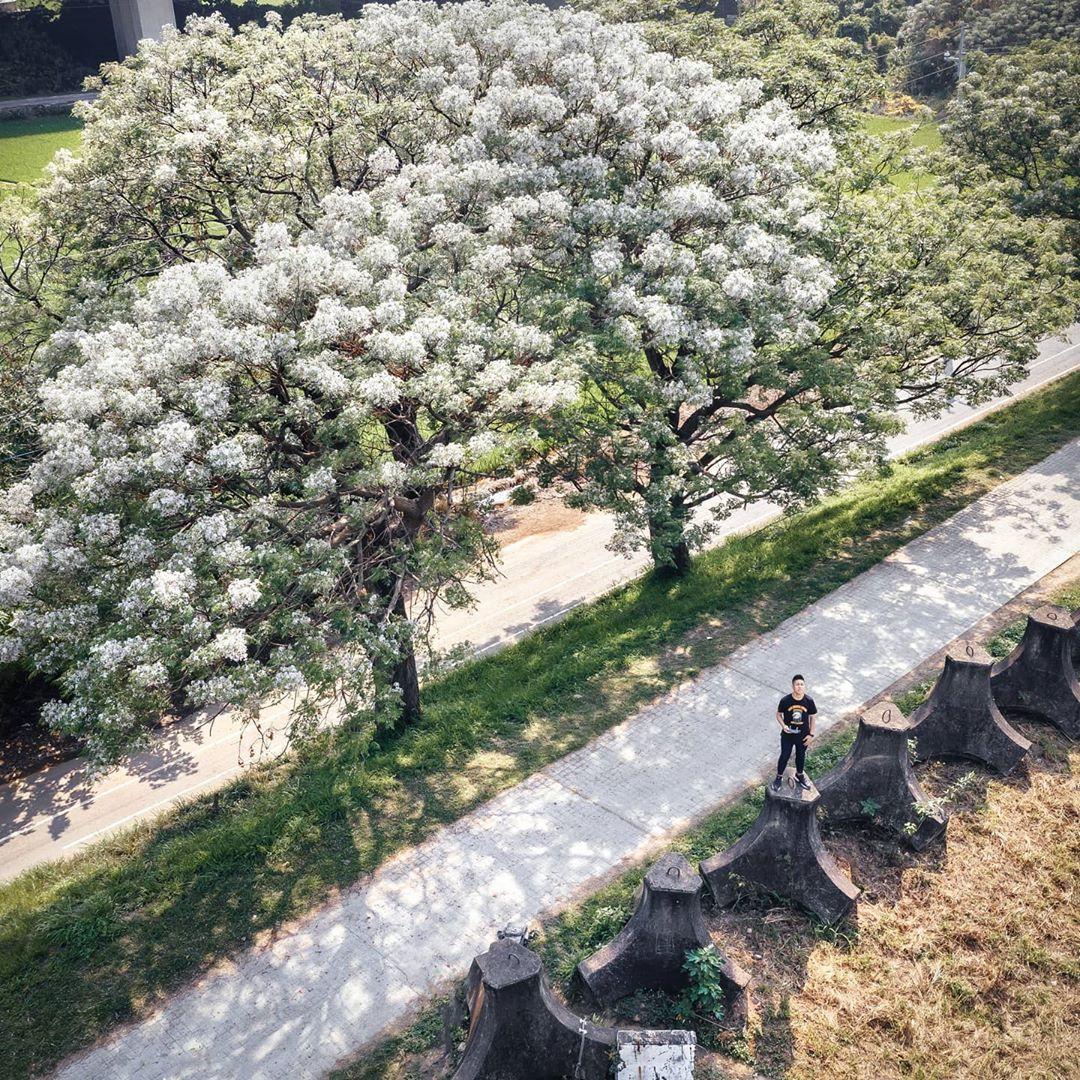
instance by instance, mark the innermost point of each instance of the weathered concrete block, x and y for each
(519, 1030)
(650, 950)
(782, 852)
(961, 719)
(875, 780)
(1038, 676)
(656, 1055)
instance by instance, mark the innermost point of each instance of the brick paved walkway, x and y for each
(297, 1006)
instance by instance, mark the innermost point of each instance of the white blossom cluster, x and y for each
(524, 187)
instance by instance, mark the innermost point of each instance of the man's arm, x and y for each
(810, 714)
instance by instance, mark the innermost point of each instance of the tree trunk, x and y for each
(667, 543)
(407, 677)
(680, 559)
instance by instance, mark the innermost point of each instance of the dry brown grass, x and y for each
(966, 960)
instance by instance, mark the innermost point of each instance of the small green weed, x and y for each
(703, 998)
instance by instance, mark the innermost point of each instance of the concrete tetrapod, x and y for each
(875, 780)
(782, 852)
(519, 1030)
(961, 719)
(650, 950)
(1038, 676)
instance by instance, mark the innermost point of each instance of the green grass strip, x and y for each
(27, 146)
(101, 938)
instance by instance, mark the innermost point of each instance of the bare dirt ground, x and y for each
(547, 514)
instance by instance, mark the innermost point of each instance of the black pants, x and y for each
(786, 743)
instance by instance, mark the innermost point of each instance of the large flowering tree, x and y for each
(301, 283)
(237, 482)
(433, 175)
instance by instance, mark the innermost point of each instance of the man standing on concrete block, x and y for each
(795, 715)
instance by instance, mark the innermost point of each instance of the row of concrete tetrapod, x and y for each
(519, 1029)
(962, 718)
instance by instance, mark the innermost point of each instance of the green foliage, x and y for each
(1013, 24)
(935, 296)
(939, 806)
(1003, 643)
(33, 63)
(522, 495)
(869, 807)
(790, 45)
(932, 28)
(1017, 123)
(704, 996)
(592, 925)
(874, 24)
(81, 926)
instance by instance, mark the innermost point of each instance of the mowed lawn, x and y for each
(925, 135)
(27, 146)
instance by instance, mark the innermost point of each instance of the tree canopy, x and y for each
(907, 299)
(932, 29)
(1017, 123)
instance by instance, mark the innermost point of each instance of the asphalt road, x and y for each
(51, 814)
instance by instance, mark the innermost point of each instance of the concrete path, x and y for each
(43, 103)
(296, 1007)
(54, 812)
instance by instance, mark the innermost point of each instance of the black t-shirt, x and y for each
(797, 713)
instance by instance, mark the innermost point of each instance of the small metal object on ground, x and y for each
(1038, 676)
(656, 1055)
(961, 719)
(521, 934)
(782, 853)
(649, 952)
(875, 781)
